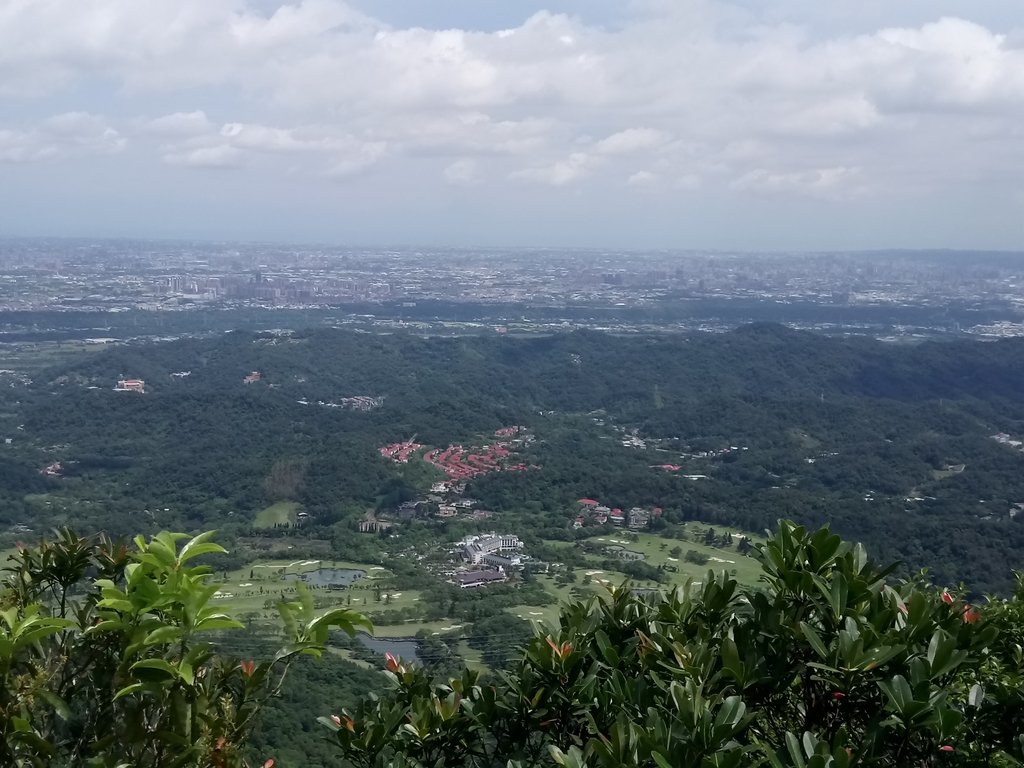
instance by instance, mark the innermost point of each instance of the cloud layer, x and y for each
(687, 102)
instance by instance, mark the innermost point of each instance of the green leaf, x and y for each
(55, 701)
(942, 654)
(200, 545)
(731, 713)
(977, 695)
(815, 640)
(162, 636)
(795, 752)
(218, 621)
(129, 689)
(342, 618)
(155, 665)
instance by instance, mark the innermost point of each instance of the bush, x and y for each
(695, 557)
(106, 656)
(827, 664)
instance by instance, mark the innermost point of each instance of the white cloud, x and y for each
(65, 135)
(20, 147)
(736, 99)
(689, 182)
(357, 159)
(574, 168)
(328, 150)
(631, 140)
(825, 183)
(218, 156)
(177, 124)
(642, 179)
(463, 173)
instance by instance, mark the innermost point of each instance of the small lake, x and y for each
(396, 646)
(328, 577)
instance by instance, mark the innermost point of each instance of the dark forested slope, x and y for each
(891, 443)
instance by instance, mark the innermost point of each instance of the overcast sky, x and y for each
(790, 124)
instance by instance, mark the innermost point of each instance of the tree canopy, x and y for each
(109, 657)
(826, 663)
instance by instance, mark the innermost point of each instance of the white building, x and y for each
(476, 548)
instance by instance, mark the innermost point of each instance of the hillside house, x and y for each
(638, 518)
(130, 385)
(252, 378)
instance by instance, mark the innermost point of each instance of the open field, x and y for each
(251, 592)
(656, 552)
(410, 628)
(280, 514)
(29, 357)
(255, 588)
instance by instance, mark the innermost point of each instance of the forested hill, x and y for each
(581, 369)
(892, 443)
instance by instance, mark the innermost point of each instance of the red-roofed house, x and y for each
(588, 502)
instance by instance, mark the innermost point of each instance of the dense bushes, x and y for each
(827, 664)
(106, 657)
(105, 660)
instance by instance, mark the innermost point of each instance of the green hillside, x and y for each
(853, 432)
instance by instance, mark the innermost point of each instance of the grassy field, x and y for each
(410, 628)
(655, 551)
(256, 587)
(30, 357)
(251, 592)
(281, 514)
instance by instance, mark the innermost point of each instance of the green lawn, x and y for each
(471, 656)
(656, 551)
(254, 588)
(747, 570)
(281, 514)
(409, 629)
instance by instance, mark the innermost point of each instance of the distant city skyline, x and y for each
(568, 123)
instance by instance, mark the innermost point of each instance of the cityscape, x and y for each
(899, 293)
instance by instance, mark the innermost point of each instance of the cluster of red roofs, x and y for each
(400, 452)
(461, 463)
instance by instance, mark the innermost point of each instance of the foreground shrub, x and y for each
(107, 659)
(826, 663)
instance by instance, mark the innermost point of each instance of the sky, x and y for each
(789, 125)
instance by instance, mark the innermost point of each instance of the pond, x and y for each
(396, 646)
(328, 577)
